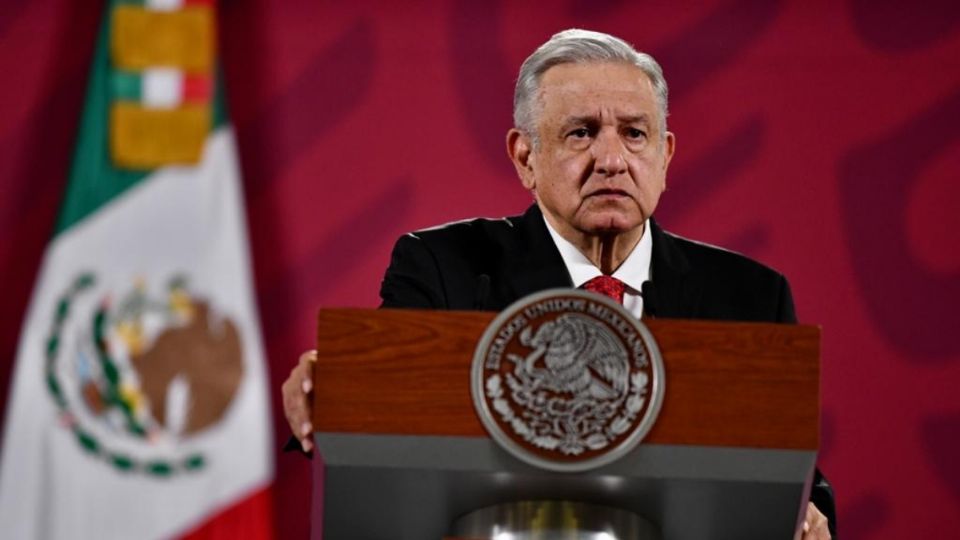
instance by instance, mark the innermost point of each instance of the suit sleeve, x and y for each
(786, 313)
(413, 279)
(821, 492)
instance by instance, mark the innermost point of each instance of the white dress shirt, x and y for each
(633, 272)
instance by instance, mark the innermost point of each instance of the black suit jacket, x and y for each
(487, 264)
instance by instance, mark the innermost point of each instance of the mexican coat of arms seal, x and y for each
(567, 380)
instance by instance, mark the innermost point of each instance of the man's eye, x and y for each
(580, 133)
(635, 133)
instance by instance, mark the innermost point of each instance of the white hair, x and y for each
(577, 46)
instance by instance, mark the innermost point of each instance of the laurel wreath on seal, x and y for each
(570, 425)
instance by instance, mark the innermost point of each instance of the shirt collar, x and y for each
(633, 272)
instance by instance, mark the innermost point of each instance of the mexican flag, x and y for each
(139, 406)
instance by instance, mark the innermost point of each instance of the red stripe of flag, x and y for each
(197, 88)
(250, 518)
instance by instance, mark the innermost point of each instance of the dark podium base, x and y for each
(414, 488)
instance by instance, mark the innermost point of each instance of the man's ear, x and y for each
(669, 146)
(520, 150)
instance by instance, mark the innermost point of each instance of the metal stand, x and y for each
(548, 520)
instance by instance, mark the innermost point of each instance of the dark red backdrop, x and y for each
(819, 137)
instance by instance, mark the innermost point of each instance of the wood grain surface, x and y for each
(393, 371)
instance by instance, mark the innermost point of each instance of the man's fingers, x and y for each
(295, 409)
(304, 435)
(307, 360)
(308, 356)
(296, 399)
(815, 526)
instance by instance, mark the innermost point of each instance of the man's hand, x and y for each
(814, 525)
(297, 399)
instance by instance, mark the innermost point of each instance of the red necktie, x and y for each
(608, 286)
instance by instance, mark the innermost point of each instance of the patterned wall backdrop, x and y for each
(819, 137)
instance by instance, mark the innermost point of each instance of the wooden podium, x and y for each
(730, 456)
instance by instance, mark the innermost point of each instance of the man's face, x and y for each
(601, 162)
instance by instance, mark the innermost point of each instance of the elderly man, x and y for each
(591, 145)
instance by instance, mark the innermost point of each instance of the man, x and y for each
(591, 145)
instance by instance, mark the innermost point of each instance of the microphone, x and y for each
(649, 295)
(483, 292)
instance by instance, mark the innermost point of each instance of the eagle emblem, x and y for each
(564, 380)
(136, 376)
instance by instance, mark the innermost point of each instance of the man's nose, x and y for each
(608, 155)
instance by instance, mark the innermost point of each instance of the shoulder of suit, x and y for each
(711, 259)
(475, 229)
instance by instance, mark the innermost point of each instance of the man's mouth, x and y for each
(602, 193)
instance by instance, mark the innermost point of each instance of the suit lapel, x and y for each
(535, 263)
(677, 286)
